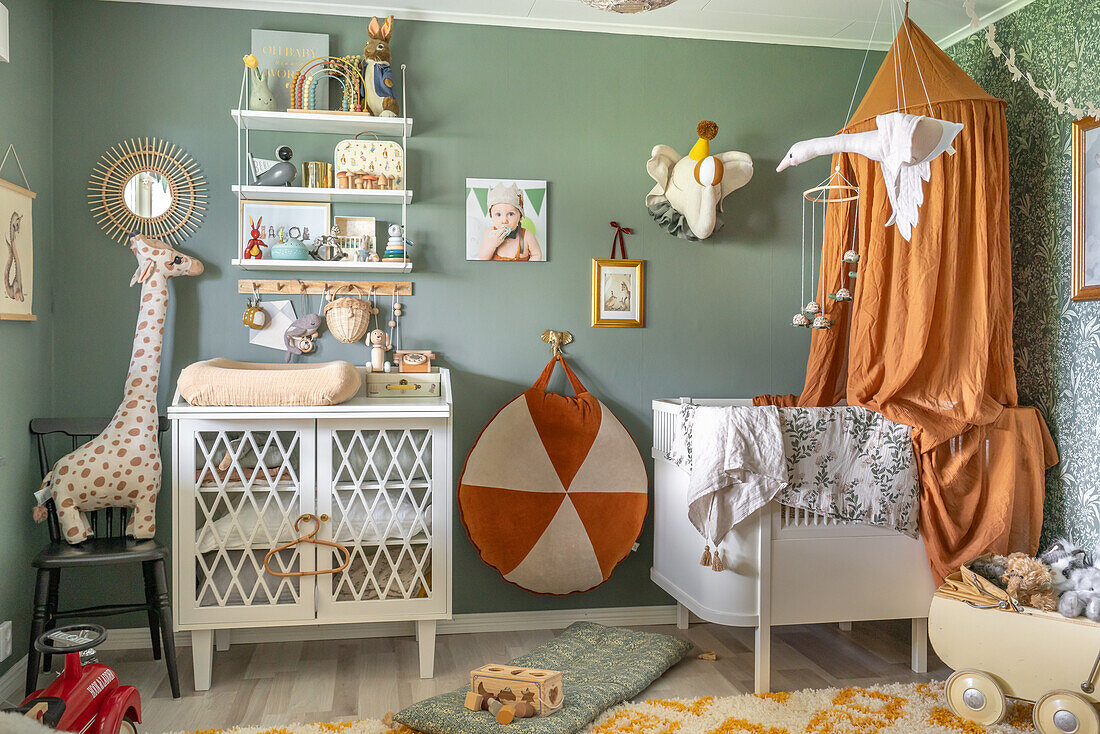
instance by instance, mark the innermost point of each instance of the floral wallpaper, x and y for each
(1057, 341)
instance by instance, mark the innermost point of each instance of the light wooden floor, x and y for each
(334, 680)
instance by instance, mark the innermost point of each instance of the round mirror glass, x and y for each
(147, 194)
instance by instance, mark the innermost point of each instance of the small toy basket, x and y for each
(347, 318)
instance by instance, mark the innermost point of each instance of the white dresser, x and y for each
(379, 470)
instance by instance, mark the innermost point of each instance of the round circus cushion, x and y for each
(554, 491)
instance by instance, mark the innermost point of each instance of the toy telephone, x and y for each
(409, 360)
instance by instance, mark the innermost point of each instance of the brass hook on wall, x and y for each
(556, 340)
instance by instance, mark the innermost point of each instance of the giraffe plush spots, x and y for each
(121, 466)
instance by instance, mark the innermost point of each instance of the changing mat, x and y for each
(221, 381)
(600, 666)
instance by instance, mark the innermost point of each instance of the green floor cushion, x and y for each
(601, 667)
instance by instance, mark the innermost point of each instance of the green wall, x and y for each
(1056, 339)
(26, 360)
(580, 110)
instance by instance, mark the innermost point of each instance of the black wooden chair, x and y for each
(109, 546)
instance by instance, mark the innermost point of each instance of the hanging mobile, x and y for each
(254, 315)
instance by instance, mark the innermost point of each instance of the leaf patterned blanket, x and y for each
(849, 463)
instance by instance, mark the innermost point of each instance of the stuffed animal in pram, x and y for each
(1028, 581)
(1063, 557)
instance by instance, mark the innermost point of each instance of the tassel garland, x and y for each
(716, 562)
(705, 560)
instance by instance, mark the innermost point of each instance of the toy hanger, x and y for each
(308, 538)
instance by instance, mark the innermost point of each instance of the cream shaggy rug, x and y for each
(901, 708)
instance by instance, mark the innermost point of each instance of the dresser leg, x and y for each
(683, 616)
(202, 650)
(425, 636)
(919, 642)
(221, 640)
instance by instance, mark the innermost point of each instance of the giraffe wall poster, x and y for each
(17, 253)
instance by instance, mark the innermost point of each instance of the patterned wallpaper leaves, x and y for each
(1057, 341)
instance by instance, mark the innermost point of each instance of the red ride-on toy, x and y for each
(86, 697)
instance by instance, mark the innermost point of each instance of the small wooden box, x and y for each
(540, 688)
(404, 385)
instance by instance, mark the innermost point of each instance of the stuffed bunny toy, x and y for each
(1084, 597)
(380, 101)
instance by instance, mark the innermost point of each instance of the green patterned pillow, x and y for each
(601, 667)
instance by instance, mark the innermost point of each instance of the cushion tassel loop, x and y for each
(705, 560)
(716, 562)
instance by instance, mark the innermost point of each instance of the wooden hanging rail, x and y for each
(317, 287)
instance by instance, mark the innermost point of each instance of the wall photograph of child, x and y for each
(506, 219)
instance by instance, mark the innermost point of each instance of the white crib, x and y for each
(784, 565)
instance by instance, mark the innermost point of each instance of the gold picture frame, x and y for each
(1085, 288)
(618, 293)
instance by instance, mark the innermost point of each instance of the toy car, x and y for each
(1002, 649)
(84, 697)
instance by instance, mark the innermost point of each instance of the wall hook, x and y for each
(556, 340)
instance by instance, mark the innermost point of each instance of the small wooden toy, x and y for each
(252, 250)
(379, 343)
(503, 712)
(473, 701)
(413, 360)
(524, 710)
(542, 689)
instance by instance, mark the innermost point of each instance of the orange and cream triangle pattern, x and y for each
(554, 499)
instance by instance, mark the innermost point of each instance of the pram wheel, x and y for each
(975, 696)
(1065, 712)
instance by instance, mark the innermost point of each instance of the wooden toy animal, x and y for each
(379, 342)
(380, 99)
(253, 250)
(121, 466)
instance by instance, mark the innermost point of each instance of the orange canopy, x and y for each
(927, 340)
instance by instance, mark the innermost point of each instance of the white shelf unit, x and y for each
(341, 266)
(380, 470)
(331, 122)
(335, 196)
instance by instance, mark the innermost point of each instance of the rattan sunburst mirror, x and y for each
(147, 186)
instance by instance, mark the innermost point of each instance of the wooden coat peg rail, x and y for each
(317, 287)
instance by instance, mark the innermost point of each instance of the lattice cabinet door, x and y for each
(385, 485)
(240, 485)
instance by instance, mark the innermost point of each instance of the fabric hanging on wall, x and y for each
(927, 340)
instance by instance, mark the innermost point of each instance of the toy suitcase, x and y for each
(508, 683)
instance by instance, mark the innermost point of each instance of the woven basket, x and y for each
(347, 318)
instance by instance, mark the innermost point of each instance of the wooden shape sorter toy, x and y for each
(509, 684)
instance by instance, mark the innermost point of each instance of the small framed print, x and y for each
(312, 217)
(1086, 209)
(618, 290)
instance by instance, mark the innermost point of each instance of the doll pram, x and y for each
(1002, 649)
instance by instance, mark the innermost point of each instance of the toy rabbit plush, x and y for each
(1084, 597)
(1028, 581)
(380, 99)
(253, 250)
(379, 342)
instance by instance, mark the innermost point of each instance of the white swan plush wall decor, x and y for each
(904, 146)
(689, 190)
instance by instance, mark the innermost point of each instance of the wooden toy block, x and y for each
(485, 701)
(494, 706)
(524, 710)
(473, 701)
(506, 714)
(542, 689)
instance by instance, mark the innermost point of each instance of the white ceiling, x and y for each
(836, 23)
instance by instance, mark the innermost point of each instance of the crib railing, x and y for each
(798, 517)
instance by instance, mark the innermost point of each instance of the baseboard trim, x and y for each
(133, 638)
(12, 682)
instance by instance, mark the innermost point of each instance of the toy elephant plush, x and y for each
(689, 190)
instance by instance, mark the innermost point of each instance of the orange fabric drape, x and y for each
(927, 341)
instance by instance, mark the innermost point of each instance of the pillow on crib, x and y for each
(554, 491)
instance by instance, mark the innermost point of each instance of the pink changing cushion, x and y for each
(222, 381)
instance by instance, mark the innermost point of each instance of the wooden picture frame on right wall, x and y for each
(1086, 209)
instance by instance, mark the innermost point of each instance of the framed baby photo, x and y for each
(506, 219)
(618, 291)
(1086, 209)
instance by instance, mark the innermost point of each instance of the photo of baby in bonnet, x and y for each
(505, 220)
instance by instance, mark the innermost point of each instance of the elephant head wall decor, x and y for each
(689, 190)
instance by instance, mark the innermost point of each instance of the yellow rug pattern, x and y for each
(901, 708)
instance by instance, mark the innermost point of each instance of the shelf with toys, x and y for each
(317, 121)
(357, 171)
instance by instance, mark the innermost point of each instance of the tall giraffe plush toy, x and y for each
(121, 466)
